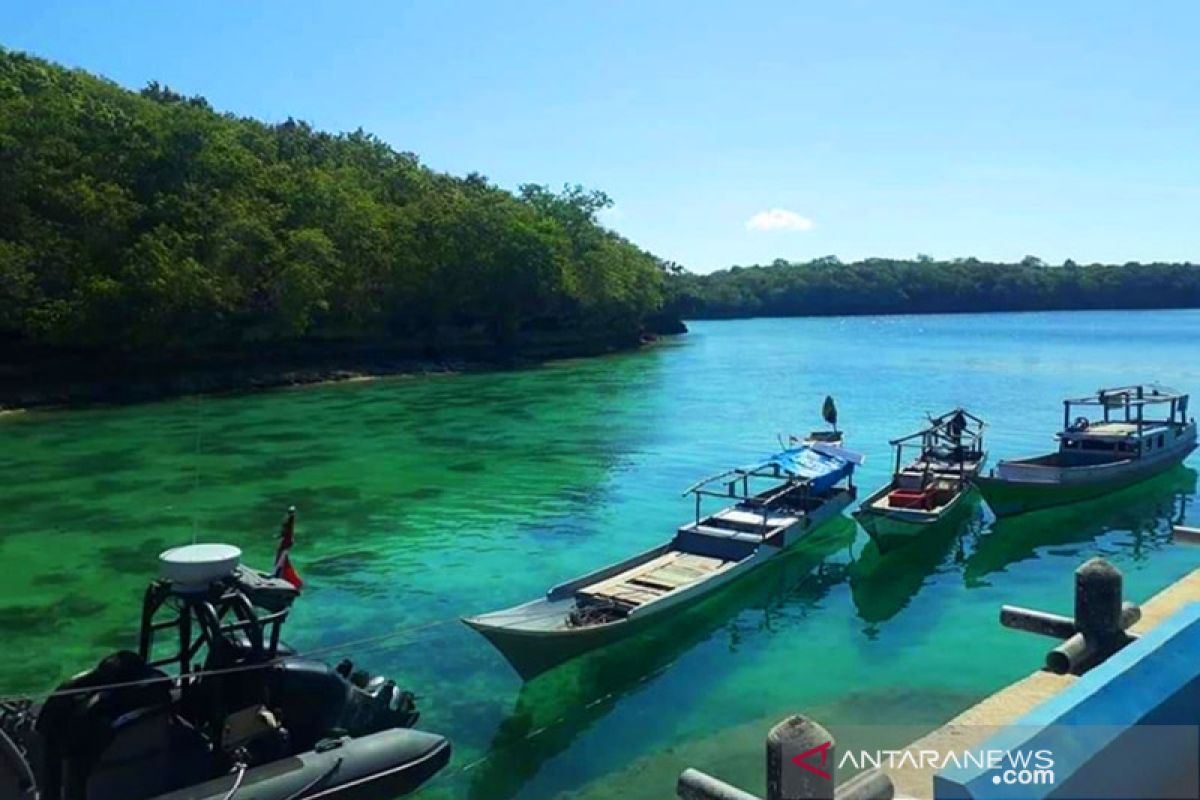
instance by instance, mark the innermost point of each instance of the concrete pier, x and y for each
(977, 723)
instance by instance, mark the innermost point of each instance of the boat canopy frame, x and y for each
(1132, 401)
(767, 470)
(225, 620)
(958, 428)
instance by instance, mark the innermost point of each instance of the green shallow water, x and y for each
(425, 499)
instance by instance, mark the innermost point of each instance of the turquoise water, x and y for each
(425, 499)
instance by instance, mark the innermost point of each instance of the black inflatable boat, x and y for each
(236, 716)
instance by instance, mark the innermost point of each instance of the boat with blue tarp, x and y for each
(775, 502)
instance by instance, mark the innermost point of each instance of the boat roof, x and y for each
(817, 463)
(941, 427)
(1117, 430)
(812, 459)
(1135, 395)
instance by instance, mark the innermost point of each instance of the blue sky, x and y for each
(727, 133)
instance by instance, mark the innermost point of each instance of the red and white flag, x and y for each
(283, 564)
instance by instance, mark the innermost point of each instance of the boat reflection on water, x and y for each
(1147, 510)
(883, 584)
(555, 708)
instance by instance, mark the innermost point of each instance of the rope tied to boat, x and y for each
(16, 699)
(324, 776)
(237, 782)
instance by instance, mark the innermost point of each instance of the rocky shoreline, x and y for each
(39, 380)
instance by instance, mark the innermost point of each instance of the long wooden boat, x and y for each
(928, 491)
(1119, 445)
(777, 502)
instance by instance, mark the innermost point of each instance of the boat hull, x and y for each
(1007, 497)
(534, 637)
(896, 528)
(380, 766)
(532, 652)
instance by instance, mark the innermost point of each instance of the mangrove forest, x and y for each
(826, 286)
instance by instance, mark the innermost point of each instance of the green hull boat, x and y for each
(932, 492)
(1007, 498)
(1124, 445)
(893, 531)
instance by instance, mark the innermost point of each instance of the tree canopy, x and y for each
(826, 286)
(149, 223)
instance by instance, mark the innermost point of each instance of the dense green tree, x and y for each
(886, 286)
(146, 223)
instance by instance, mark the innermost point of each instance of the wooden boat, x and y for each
(883, 583)
(927, 492)
(777, 502)
(1097, 455)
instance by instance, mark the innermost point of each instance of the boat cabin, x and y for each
(1122, 423)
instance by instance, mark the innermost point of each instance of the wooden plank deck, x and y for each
(655, 578)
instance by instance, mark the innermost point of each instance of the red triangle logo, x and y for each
(823, 749)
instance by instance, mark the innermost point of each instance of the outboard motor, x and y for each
(315, 702)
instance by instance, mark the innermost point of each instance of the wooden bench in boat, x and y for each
(733, 523)
(655, 578)
(752, 518)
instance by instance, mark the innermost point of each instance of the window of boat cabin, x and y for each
(1161, 439)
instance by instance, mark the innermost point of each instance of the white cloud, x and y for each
(778, 219)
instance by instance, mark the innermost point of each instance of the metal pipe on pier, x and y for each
(696, 785)
(1042, 623)
(801, 765)
(873, 784)
(1098, 628)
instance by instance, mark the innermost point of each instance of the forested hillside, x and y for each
(141, 232)
(147, 223)
(826, 286)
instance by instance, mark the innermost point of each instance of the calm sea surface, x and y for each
(425, 499)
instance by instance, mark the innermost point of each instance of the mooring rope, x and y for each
(196, 465)
(316, 651)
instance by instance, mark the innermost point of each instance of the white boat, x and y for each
(776, 502)
(1097, 454)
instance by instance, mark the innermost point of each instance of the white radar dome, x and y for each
(195, 566)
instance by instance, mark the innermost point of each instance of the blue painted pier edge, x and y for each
(1126, 729)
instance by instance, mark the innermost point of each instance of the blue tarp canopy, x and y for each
(821, 470)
